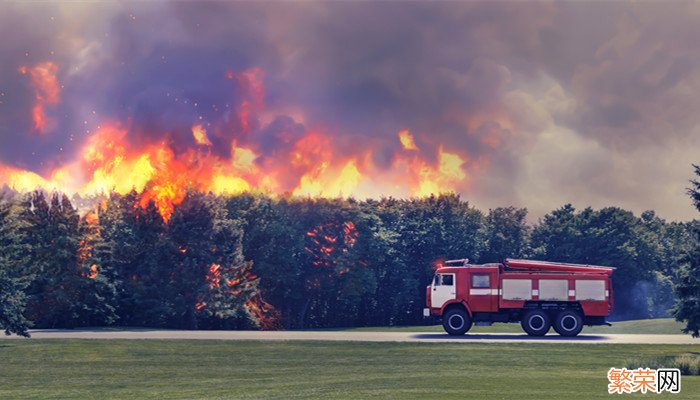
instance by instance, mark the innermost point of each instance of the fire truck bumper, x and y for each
(426, 312)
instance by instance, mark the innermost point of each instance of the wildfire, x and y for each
(449, 171)
(268, 317)
(350, 233)
(92, 218)
(162, 169)
(241, 282)
(26, 181)
(46, 90)
(86, 246)
(243, 159)
(250, 83)
(325, 181)
(200, 135)
(328, 239)
(407, 141)
(213, 276)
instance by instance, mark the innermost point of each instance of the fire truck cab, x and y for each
(537, 294)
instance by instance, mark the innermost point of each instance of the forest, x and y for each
(251, 261)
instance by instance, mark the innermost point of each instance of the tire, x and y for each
(456, 322)
(568, 323)
(536, 323)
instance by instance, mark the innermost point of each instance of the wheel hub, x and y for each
(568, 323)
(456, 322)
(536, 322)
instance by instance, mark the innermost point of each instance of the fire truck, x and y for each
(537, 294)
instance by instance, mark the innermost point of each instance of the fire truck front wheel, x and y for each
(456, 322)
(568, 323)
(536, 323)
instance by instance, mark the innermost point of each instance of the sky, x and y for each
(530, 104)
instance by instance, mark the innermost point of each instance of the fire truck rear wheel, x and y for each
(536, 323)
(568, 323)
(456, 322)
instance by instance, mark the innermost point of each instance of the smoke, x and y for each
(645, 299)
(541, 105)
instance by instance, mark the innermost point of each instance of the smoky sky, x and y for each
(592, 104)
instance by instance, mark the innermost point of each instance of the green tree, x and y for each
(610, 236)
(59, 294)
(134, 250)
(387, 304)
(431, 229)
(56, 239)
(669, 243)
(97, 290)
(274, 239)
(13, 269)
(338, 275)
(506, 234)
(687, 307)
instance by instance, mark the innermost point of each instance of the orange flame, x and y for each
(250, 81)
(326, 240)
(308, 164)
(213, 276)
(267, 316)
(85, 248)
(92, 218)
(407, 141)
(200, 135)
(46, 90)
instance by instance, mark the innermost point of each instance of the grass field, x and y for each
(667, 326)
(150, 369)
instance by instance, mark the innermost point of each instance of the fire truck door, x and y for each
(444, 289)
(483, 291)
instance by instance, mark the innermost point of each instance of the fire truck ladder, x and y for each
(463, 261)
(533, 265)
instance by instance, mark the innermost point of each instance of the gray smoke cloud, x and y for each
(588, 103)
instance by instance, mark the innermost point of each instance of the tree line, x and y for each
(253, 261)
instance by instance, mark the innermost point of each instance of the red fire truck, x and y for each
(537, 294)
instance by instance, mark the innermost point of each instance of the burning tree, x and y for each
(122, 261)
(328, 276)
(98, 286)
(59, 295)
(209, 281)
(186, 272)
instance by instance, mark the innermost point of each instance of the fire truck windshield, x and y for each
(443, 280)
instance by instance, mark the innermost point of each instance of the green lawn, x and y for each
(667, 326)
(151, 369)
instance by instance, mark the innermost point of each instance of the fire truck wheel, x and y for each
(536, 323)
(456, 322)
(568, 323)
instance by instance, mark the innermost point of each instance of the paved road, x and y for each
(357, 336)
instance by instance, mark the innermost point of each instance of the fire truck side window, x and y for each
(447, 280)
(436, 280)
(481, 281)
